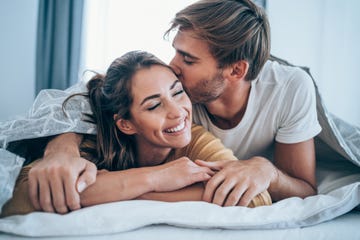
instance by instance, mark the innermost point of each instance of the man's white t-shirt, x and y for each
(281, 107)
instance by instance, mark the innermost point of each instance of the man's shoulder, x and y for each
(281, 74)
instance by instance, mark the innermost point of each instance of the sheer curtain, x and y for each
(58, 43)
(114, 27)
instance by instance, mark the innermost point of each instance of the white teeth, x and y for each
(177, 128)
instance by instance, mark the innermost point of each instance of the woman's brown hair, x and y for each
(108, 95)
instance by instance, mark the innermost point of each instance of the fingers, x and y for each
(71, 194)
(211, 187)
(200, 177)
(222, 192)
(207, 171)
(247, 197)
(45, 196)
(235, 195)
(218, 165)
(58, 196)
(56, 188)
(34, 190)
(87, 177)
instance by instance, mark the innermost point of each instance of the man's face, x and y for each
(196, 68)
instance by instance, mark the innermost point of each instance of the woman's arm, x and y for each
(132, 183)
(207, 147)
(189, 193)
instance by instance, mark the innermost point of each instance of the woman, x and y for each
(145, 139)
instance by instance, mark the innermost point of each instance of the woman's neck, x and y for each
(150, 155)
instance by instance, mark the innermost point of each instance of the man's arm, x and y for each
(239, 181)
(296, 167)
(56, 180)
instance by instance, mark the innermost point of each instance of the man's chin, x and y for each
(202, 99)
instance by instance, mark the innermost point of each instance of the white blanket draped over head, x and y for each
(338, 175)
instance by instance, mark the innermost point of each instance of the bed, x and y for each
(332, 214)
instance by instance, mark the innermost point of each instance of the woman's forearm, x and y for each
(132, 183)
(189, 193)
(117, 186)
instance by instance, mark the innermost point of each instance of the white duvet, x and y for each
(338, 175)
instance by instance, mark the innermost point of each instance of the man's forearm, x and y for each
(287, 186)
(67, 142)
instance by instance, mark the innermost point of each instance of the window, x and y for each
(113, 27)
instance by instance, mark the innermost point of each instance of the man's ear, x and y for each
(239, 70)
(125, 126)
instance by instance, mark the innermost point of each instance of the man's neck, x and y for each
(227, 111)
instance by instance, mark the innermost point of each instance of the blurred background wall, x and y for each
(321, 34)
(18, 20)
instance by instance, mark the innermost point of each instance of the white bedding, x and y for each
(339, 188)
(343, 227)
(338, 174)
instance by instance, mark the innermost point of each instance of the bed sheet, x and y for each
(343, 227)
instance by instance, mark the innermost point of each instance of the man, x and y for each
(260, 109)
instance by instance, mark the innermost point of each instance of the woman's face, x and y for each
(161, 110)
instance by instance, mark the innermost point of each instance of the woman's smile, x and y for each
(177, 128)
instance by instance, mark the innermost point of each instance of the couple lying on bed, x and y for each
(264, 111)
(146, 145)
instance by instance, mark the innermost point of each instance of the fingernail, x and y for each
(81, 186)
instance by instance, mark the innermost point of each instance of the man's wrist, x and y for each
(65, 143)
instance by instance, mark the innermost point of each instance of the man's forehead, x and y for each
(188, 43)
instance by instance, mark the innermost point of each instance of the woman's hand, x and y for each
(177, 174)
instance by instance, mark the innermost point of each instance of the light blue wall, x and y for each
(18, 20)
(323, 35)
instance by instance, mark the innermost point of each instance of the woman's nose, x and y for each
(175, 110)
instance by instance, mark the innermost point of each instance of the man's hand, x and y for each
(177, 174)
(237, 182)
(56, 180)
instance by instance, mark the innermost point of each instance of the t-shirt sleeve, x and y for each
(207, 147)
(298, 116)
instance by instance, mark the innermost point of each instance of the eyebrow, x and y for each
(185, 53)
(158, 95)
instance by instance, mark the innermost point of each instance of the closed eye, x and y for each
(178, 92)
(188, 60)
(153, 107)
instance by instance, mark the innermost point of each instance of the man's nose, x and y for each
(175, 66)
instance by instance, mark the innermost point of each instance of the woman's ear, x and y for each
(125, 126)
